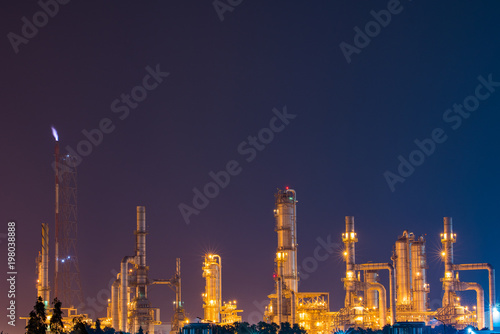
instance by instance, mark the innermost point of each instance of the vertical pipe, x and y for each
(115, 296)
(219, 286)
(45, 290)
(141, 290)
(491, 283)
(392, 287)
(279, 300)
(178, 291)
(56, 253)
(480, 303)
(349, 238)
(447, 239)
(124, 296)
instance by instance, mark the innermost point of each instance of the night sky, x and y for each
(350, 117)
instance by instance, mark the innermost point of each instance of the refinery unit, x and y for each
(367, 302)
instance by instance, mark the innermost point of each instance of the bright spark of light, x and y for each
(54, 133)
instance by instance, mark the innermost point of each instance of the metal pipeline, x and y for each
(124, 292)
(382, 300)
(491, 281)
(115, 296)
(392, 286)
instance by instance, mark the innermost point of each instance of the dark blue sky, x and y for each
(353, 121)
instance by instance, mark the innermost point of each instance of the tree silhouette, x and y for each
(79, 327)
(36, 322)
(98, 329)
(56, 324)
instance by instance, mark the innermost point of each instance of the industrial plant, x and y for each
(368, 303)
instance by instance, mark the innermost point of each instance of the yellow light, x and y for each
(345, 253)
(352, 235)
(443, 253)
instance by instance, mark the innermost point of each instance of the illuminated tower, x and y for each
(42, 285)
(286, 275)
(286, 228)
(212, 298)
(67, 285)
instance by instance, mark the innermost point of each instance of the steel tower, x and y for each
(68, 288)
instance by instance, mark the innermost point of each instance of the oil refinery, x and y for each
(368, 303)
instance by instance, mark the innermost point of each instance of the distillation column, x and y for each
(285, 213)
(286, 227)
(402, 266)
(143, 317)
(212, 298)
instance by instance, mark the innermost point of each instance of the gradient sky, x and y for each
(353, 121)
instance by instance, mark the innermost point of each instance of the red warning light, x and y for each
(286, 188)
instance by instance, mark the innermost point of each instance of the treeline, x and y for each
(260, 328)
(37, 322)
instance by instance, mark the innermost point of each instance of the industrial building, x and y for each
(367, 302)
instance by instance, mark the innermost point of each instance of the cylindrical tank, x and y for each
(419, 275)
(371, 297)
(212, 296)
(402, 264)
(285, 213)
